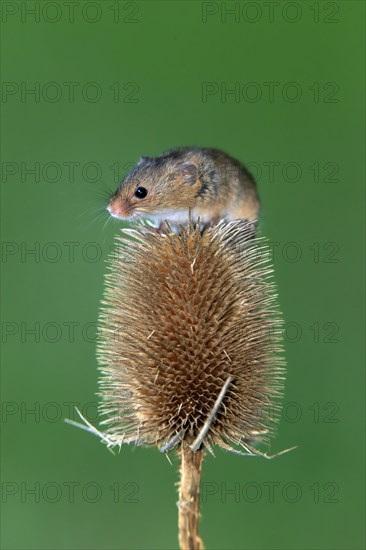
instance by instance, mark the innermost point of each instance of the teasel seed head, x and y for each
(190, 339)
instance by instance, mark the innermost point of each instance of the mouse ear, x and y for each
(188, 172)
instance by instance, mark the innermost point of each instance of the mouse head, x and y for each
(155, 185)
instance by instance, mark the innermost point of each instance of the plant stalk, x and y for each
(189, 493)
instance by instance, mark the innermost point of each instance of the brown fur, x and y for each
(211, 183)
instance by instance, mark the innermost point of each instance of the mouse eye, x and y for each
(141, 192)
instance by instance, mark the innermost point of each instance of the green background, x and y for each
(162, 54)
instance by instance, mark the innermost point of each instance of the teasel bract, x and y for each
(190, 348)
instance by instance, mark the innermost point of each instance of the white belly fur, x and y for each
(177, 217)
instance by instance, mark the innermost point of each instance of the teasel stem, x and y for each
(189, 493)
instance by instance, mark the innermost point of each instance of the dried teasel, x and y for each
(190, 348)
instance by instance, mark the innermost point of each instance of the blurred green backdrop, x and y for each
(278, 85)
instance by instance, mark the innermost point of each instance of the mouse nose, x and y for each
(113, 210)
(116, 210)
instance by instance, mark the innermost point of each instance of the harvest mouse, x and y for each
(206, 182)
